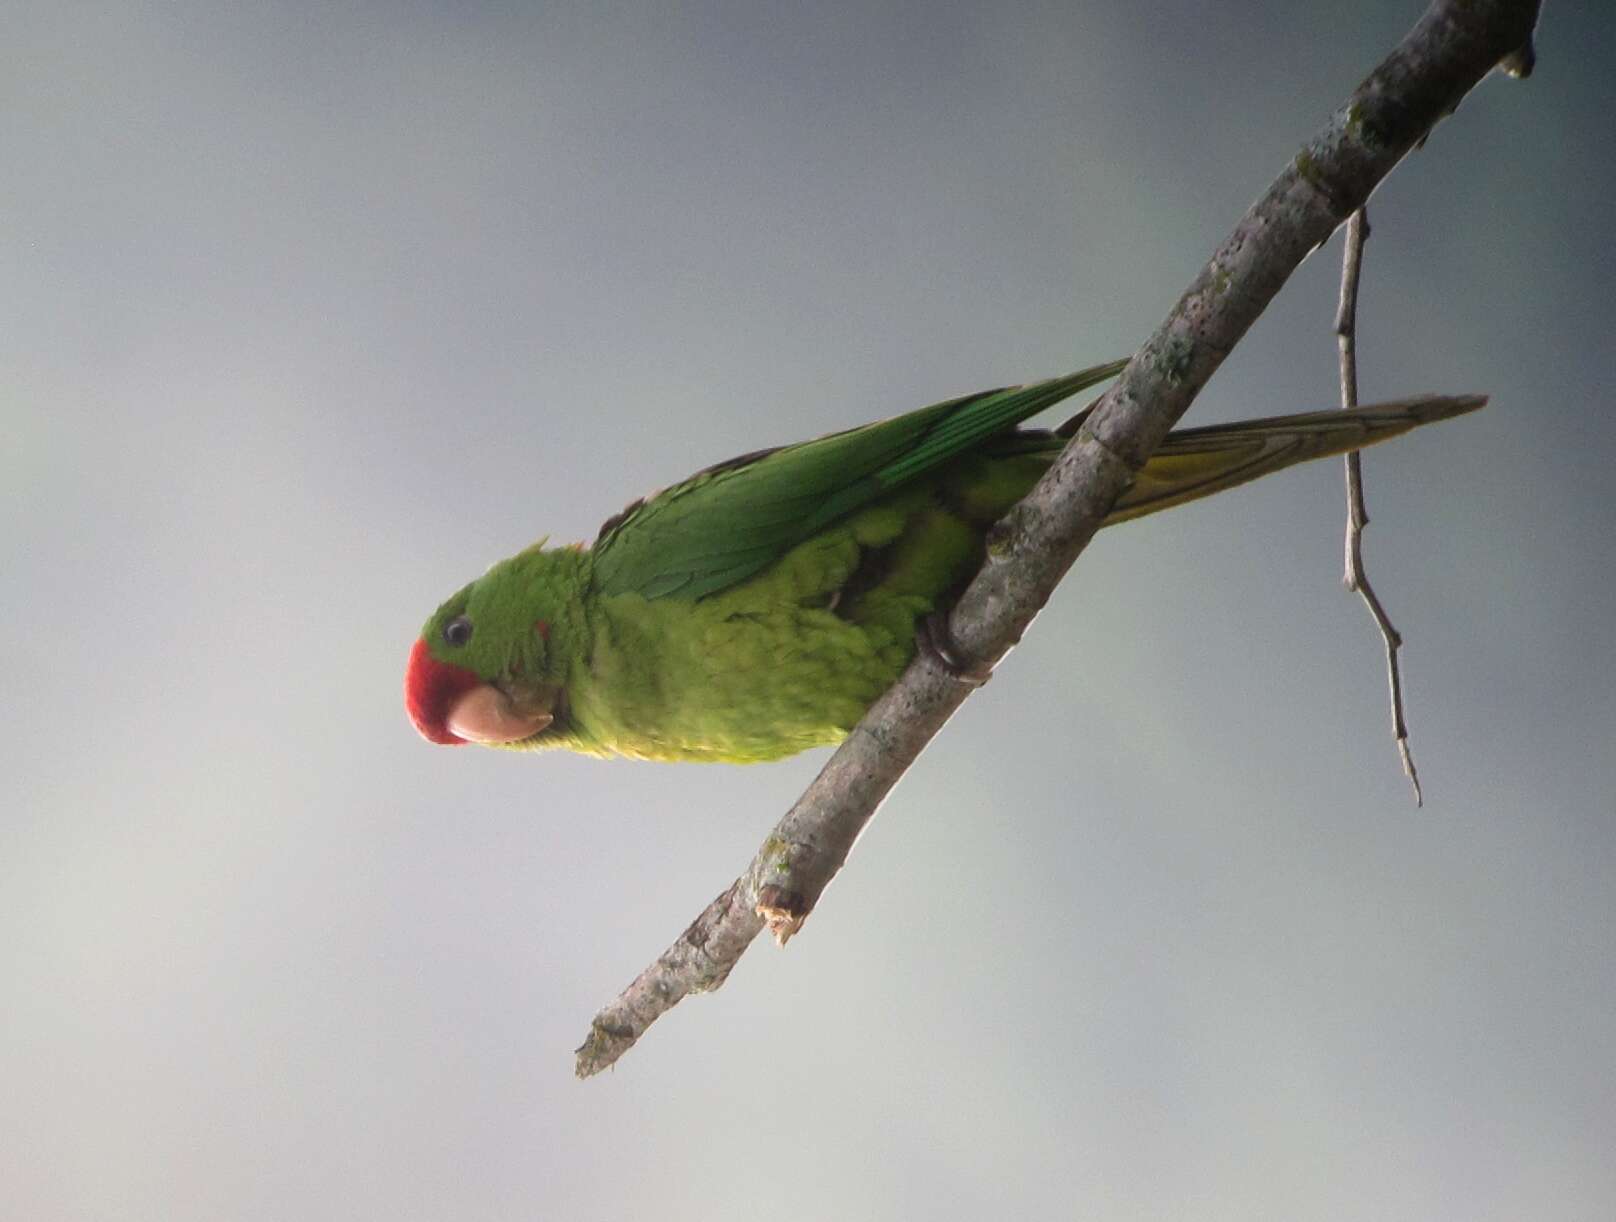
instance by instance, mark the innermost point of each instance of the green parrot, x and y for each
(759, 607)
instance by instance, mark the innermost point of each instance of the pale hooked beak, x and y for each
(449, 704)
(487, 715)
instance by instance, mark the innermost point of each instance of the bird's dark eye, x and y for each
(457, 631)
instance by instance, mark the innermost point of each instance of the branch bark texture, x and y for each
(1454, 45)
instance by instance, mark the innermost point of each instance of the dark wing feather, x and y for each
(726, 523)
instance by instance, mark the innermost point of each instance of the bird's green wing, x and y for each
(724, 524)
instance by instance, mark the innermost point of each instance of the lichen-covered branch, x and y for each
(1454, 45)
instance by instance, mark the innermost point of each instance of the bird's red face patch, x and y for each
(431, 688)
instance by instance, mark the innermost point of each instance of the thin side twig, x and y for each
(1453, 46)
(1355, 578)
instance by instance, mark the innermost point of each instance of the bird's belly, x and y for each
(719, 683)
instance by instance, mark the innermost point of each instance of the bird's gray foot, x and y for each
(935, 640)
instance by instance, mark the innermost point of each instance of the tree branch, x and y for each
(1354, 576)
(1452, 47)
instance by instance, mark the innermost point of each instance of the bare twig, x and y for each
(1354, 577)
(1454, 45)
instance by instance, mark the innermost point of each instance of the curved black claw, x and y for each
(935, 639)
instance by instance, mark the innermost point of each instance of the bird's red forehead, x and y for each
(430, 690)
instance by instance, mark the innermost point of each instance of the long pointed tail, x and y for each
(1193, 463)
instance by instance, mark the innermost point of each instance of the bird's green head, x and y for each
(489, 665)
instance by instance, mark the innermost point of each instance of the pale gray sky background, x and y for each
(309, 312)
